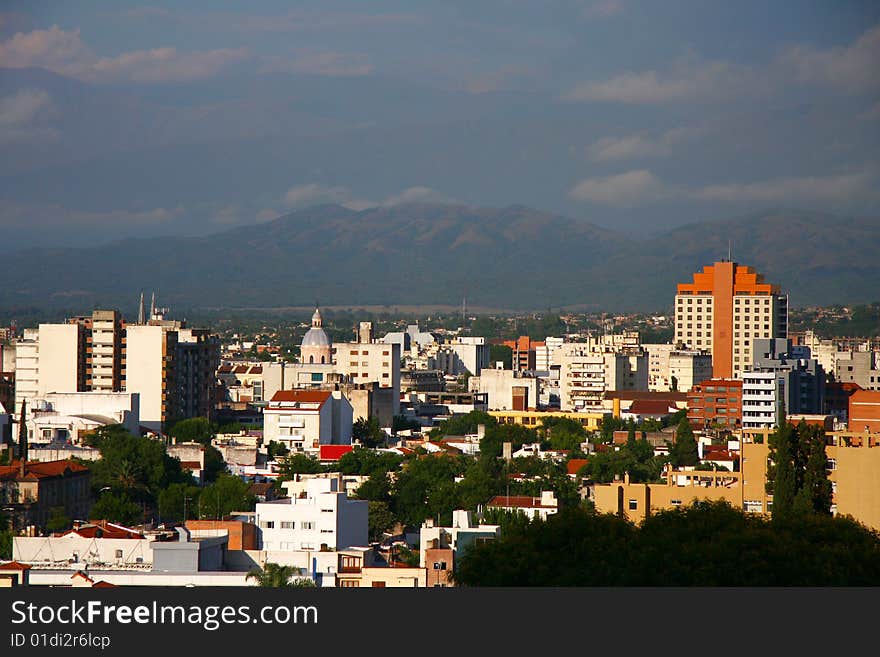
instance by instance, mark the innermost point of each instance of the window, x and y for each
(287, 524)
(307, 525)
(831, 464)
(306, 546)
(385, 353)
(633, 505)
(268, 524)
(118, 554)
(326, 510)
(675, 502)
(439, 565)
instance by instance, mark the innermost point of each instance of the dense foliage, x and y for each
(707, 544)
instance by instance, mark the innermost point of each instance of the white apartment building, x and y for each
(761, 399)
(688, 368)
(303, 420)
(462, 354)
(27, 368)
(544, 353)
(64, 416)
(585, 374)
(463, 533)
(323, 517)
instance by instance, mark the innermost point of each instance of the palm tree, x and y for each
(274, 575)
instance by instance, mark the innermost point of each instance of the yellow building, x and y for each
(590, 421)
(853, 469)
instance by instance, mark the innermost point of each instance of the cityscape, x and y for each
(534, 295)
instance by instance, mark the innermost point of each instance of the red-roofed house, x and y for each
(534, 507)
(574, 466)
(333, 452)
(644, 409)
(303, 420)
(34, 488)
(13, 573)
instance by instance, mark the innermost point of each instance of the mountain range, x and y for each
(419, 254)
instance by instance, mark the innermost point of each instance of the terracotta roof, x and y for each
(101, 584)
(256, 369)
(303, 396)
(80, 573)
(260, 488)
(41, 469)
(190, 465)
(574, 465)
(103, 529)
(518, 501)
(14, 565)
(650, 407)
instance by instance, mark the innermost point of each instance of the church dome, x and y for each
(315, 337)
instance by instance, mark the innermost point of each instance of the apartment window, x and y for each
(385, 376)
(307, 525)
(326, 510)
(365, 353)
(675, 502)
(349, 584)
(385, 353)
(439, 565)
(287, 524)
(306, 546)
(268, 524)
(326, 531)
(353, 363)
(831, 464)
(118, 554)
(354, 353)
(364, 364)
(633, 505)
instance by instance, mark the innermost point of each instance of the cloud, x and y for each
(166, 65)
(329, 63)
(23, 116)
(302, 196)
(629, 189)
(640, 145)
(642, 187)
(416, 195)
(65, 53)
(690, 79)
(53, 49)
(835, 188)
(855, 67)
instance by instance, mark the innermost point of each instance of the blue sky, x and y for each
(127, 119)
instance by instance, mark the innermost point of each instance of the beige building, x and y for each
(590, 421)
(587, 371)
(150, 372)
(853, 464)
(506, 390)
(365, 362)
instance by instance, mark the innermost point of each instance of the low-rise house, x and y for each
(533, 507)
(33, 491)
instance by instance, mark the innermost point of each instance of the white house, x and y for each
(320, 516)
(303, 420)
(533, 507)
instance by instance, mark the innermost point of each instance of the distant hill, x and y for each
(513, 257)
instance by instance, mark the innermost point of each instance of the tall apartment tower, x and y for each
(723, 310)
(104, 339)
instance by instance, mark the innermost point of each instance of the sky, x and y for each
(125, 119)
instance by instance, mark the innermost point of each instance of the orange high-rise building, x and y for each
(724, 309)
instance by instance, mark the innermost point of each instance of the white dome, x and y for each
(315, 337)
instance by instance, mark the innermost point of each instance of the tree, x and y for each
(368, 432)
(276, 449)
(297, 463)
(273, 575)
(192, 430)
(563, 433)
(229, 493)
(781, 477)
(501, 353)
(117, 507)
(797, 476)
(380, 519)
(177, 499)
(684, 451)
(58, 521)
